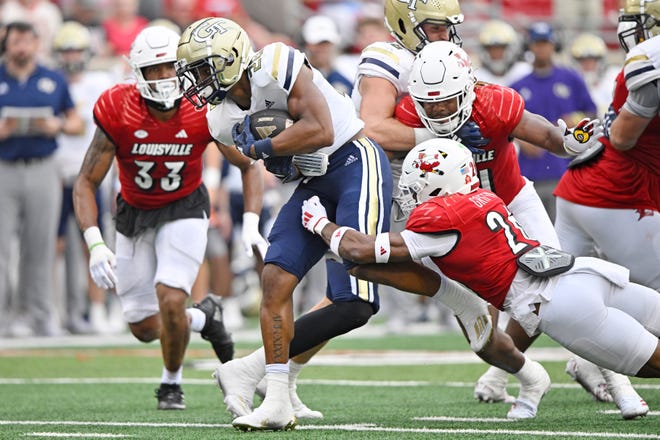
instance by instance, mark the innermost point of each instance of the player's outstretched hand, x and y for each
(102, 264)
(581, 137)
(314, 215)
(250, 235)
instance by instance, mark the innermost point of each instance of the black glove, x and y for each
(470, 136)
(283, 168)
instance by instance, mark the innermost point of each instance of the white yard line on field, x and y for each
(353, 428)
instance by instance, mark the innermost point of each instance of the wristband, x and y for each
(382, 247)
(251, 220)
(93, 237)
(320, 224)
(422, 134)
(263, 148)
(336, 239)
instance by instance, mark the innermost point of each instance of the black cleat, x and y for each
(170, 396)
(214, 330)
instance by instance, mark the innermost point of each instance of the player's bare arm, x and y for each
(313, 126)
(537, 130)
(95, 166)
(359, 248)
(379, 99)
(407, 276)
(626, 129)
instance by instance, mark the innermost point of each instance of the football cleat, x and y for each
(589, 377)
(170, 396)
(491, 387)
(275, 413)
(300, 410)
(214, 330)
(237, 388)
(526, 405)
(625, 397)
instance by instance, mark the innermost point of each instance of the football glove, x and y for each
(283, 168)
(244, 140)
(470, 135)
(250, 235)
(581, 137)
(314, 215)
(102, 261)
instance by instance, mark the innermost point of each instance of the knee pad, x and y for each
(323, 324)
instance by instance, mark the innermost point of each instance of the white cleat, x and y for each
(491, 387)
(626, 398)
(300, 410)
(589, 377)
(632, 407)
(276, 411)
(527, 403)
(236, 387)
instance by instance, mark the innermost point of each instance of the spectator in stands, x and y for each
(122, 26)
(42, 14)
(555, 92)
(321, 41)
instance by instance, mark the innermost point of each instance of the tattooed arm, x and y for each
(96, 165)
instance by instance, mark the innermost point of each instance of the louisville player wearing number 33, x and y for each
(586, 304)
(215, 58)
(162, 208)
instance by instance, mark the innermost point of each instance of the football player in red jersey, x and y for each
(446, 99)
(455, 225)
(617, 187)
(162, 208)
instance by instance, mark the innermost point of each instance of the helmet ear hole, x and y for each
(402, 27)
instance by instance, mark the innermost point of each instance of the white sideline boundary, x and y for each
(349, 428)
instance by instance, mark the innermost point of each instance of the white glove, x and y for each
(314, 215)
(250, 235)
(581, 137)
(102, 261)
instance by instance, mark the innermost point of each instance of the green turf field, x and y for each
(362, 385)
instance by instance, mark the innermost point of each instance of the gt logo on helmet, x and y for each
(207, 32)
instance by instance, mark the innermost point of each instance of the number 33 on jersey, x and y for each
(159, 162)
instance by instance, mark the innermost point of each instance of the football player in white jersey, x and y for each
(342, 166)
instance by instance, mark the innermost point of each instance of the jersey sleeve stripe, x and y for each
(289, 70)
(636, 58)
(382, 51)
(382, 65)
(276, 61)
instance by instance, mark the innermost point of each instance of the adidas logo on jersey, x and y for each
(181, 134)
(269, 104)
(349, 160)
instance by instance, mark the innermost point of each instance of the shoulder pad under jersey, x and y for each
(387, 60)
(276, 62)
(642, 64)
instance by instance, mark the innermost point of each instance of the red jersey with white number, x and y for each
(618, 179)
(497, 110)
(488, 241)
(159, 162)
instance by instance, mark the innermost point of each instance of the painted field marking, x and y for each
(356, 427)
(75, 434)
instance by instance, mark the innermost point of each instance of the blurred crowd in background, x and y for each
(499, 35)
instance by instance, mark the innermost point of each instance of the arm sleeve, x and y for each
(428, 245)
(644, 101)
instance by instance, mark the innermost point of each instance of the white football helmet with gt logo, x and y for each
(639, 20)
(442, 71)
(155, 45)
(404, 20)
(213, 53)
(437, 167)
